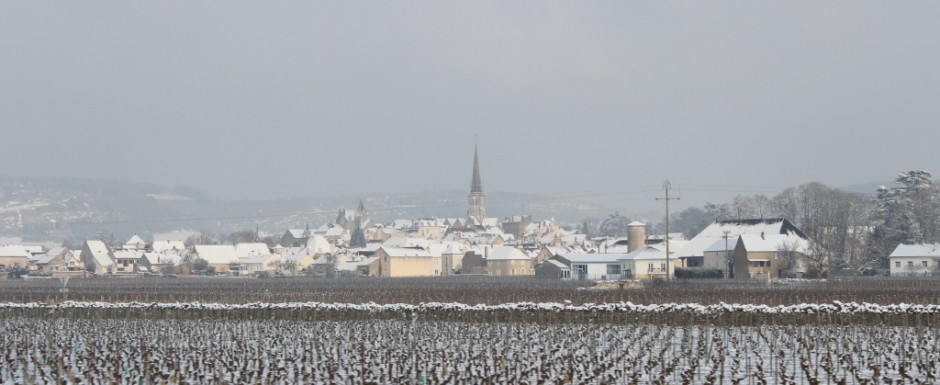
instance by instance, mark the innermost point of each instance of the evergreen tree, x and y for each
(907, 213)
(357, 238)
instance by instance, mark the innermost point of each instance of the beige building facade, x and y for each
(402, 262)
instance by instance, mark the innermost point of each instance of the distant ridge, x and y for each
(57, 209)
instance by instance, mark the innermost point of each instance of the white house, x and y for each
(918, 259)
(647, 263)
(126, 261)
(592, 266)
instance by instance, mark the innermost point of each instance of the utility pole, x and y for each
(728, 260)
(667, 186)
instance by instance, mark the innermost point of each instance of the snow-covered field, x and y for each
(171, 351)
(314, 342)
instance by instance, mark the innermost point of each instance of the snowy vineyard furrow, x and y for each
(807, 308)
(167, 351)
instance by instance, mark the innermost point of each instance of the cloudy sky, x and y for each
(279, 99)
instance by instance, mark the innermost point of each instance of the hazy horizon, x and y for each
(293, 99)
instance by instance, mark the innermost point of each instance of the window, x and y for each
(662, 267)
(925, 263)
(897, 264)
(613, 269)
(910, 264)
(650, 268)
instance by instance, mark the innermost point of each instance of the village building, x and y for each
(915, 260)
(222, 258)
(126, 261)
(407, 262)
(135, 243)
(553, 269)
(692, 254)
(11, 256)
(767, 256)
(648, 262)
(167, 245)
(504, 261)
(57, 260)
(598, 266)
(97, 257)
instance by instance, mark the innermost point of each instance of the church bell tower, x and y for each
(476, 201)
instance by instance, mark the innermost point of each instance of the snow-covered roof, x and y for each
(127, 254)
(250, 250)
(405, 252)
(14, 251)
(48, 255)
(558, 264)
(917, 250)
(674, 246)
(719, 245)
(735, 228)
(160, 246)
(645, 254)
(593, 258)
(354, 265)
(402, 224)
(34, 249)
(773, 243)
(43, 259)
(318, 244)
(163, 258)
(335, 231)
(406, 242)
(99, 252)
(257, 259)
(450, 247)
(217, 254)
(135, 240)
(296, 233)
(506, 253)
(636, 224)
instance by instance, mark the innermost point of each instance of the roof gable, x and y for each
(735, 228)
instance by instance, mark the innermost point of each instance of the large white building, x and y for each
(919, 259)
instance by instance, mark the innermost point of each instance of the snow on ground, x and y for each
(128, 351)
(721, 308)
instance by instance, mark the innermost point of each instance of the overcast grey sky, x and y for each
(277, 99)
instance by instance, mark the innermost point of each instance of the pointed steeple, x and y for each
(361, 210)
(476, 209)
(476, 186)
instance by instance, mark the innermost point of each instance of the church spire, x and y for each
(476, 209)
(476, 186)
